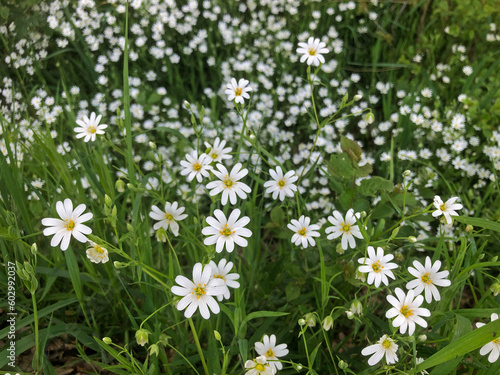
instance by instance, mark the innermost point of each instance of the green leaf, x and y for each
(477, 222)
(364, 171)
(351, 148)
(373, 186)
(278, 216)
(340, 166)
(465, 344)
(262, 314)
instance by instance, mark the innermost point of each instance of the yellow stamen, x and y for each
(346, 227)
(91, 129)
(197, 167)
(406, 311)
(281, 183)
(220, 277)
(214, 155)
(426, 278)
(226, 231)
(269, 353)
(260, 367)
(98, 249)
(228, 182)
(442, 207)
(302, 231)
(377, 267)
(70, 225)
(312, 52)
(238, 91)
(386, 343)
(169, 217)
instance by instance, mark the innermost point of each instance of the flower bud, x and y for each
(310, 319)
(369, 118)
(357, 97)
(120, 186)
(407, 173)
(469, 228)
(422, 338)
(299, 367)
(343, 365)
(34, 248)
(154, 349)
(186, 104)
(327, 323)
(217, 335)
(357, 307)
(142, 337)
(152, 146)
(161, 235)
(107, 340)
(119, 265)
(301, 322)
(164, 339)
(412, 239)
(495, 258)
(495, 289)
(349, 314)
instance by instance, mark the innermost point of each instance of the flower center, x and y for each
(497, 341)
(197, 167)
(386, 344)
(98, 249)
(405, 310)
(302, 231)
(228, 182)
(377, 267)
(91, 129)
(70, 225)
(426, 278)
(220, 277)
(312, 52)
(238, 91)
(199, 290)
(260, 367)
(442, 207)
(281, 183)
(346, 227)
(214, 155)
(226, 231)
(270, 353)
(169, 217)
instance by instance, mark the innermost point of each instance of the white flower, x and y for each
(198, 293)
(467, 70)
(221, 271)
(378, 266)
(226, 232)
(280, 184)
(172, 214)
(304, 232)
(69, 225)
(238, 91)
(97, 254)
(90, 127)
(427, 278)
(493, 347)
(196, 166)
(229, 183)
(344, 227)
(311, 51)
(217, 151)
(406, 310)
(384, 346)
(271, 351)
(447, 209)
(259, 366)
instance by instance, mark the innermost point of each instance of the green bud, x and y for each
(469, 228)
(152, 146)
(310, 319)
(187, 104)
(120, 186)
(357, 97)
(107, 340)
(495, 258)
(349, 314)
(217, 335)
(161, 235)
(369, 118)
(107, 200)
(422, 338)
(119, 265)
(299, 367)
(130, 228)
(412, 239)
(357, 307)
(328, 323)
(34, 248)
(154, 349)
(495, 289)
(29, 268)
(164, 339)
(343, 365)
(302, 322)
(141, 337)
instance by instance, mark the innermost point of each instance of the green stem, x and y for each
(37, 342)
(157, 310)
(195, 336)
(126, 107)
